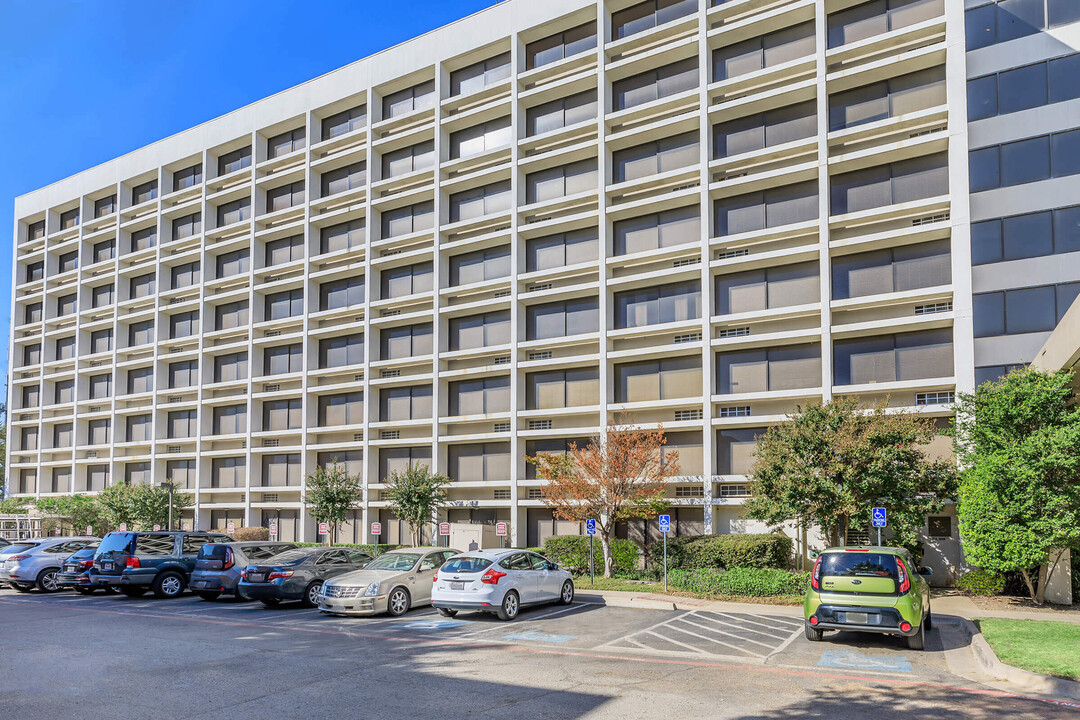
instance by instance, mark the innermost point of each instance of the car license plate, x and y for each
(70, 568)
(457, 585)
(255, 577)
(856, 618)
(106, 566)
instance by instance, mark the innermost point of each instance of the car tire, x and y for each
(928, 621)
(46, 581)
(813, 634)
(510, 606)
(270, 602)
(567, 595)
(918, 640)
(168, 585)
(209, 595)
(109, 590)
(447, 612)
(84, 590)
(398, 602)
(311, 594)
(133, 591)
(19, 587)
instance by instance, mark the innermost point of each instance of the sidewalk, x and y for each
(966, 608)
(659, 601)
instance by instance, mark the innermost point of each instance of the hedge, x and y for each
(745, 582)
(723, 551)
(572, 553)
(251, 533)
(369, 549)
(981, 582)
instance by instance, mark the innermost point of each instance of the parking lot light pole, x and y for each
(169, 484)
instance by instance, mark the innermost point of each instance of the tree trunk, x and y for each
(1027, 581)
(605, 549)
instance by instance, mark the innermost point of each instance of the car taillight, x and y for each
(435, 578)
(18, 557)
(133, 563)
(279, 574)
(815, 576)
(813, 620)
(905, 581)
(491, 577)
(905, 626)
(228, 559)
(86, 563)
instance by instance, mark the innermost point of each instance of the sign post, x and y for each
(376, 531)
(230, 528)
(324, 530)
(590, 530)
(273, 530)
(444, 530)
(879, 521)
(665, 527)
(500, 530)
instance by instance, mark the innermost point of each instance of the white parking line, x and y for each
(713, 640)
(691, 648)
(732, 623)
(722, 632)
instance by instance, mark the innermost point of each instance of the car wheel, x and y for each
(399, 602)
(311, 595)
(46, 581)
(567, 595)
(133, 590)
(447, 612)
(84, 591)
(109, 590)
(918, 640)
(209, 595)
(168, 585)
(19, 587)
(270, 602)
(813, 634)
(510, 606)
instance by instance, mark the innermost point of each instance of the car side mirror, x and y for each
(926, 572)
(552, 566)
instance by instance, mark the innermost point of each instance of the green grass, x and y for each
(601, 583)
(1041, 646)
(582, 584)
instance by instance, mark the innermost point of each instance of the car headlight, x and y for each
(372, 589)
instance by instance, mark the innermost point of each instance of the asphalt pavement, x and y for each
(68, 656)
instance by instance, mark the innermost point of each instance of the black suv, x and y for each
(162, 561)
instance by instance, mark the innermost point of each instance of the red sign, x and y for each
(89, 530)
(273, 529)
(500, 528)
(444, 528)
(123, 527)
(230, 528)
(324, 528)
(376, 529)
(187, 526)
(156, 528)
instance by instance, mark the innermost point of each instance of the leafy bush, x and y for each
(746, 582)
(981, 582)
(724, 551)
(251, 533)
(572, 553)
(373, 550)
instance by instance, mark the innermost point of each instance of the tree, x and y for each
(415, 496)
(331, 493)
(833, 462)
(618, 476)
(1018, 441)
(117, 505)
(76, 512)
(14, 506)
(150, 505)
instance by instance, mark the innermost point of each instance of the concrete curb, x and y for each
(989, 663)
(657, 601)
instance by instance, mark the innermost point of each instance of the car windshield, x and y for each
(393, 561)
(115, 542)
(466, 564)
(859, 564)
(21, 547)
(291, 557)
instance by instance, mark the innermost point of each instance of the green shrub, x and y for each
(723, 551)
(981, 582)
(373, 550)
(251, 533)
(745, 582)
(572, 553)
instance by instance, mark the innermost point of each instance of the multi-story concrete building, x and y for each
(488, 241)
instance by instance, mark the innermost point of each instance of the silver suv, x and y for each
(36, 562)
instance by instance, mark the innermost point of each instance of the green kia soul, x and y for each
(868, 589)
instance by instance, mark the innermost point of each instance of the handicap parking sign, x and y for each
(590, 527)
(665, 523)
(879, 517)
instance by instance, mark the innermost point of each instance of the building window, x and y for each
(230, 472)
(97, 477)
(31, 395)
(64, 391)
(141, 333)
(767, 288)
(231, 367)
(35, 231)
(1024, 310)
(775, 207)
(481, 201)
(417, 97)
(68, 262)
(408, 159)
(659, 304)
(647, 15)
(562, 388)
(146, 238)
(767, 129)
(187, 226)
(408, 280)
(286, 304)
(188, 177)
(480, 266)
(343, 179)
(341, 351)
(556, 251)
(564, 112)
(285, 143)
(652, 158)
(282, 415)
(880, 16)
(105, 206)
(101, 341)
(104, 250)
(140, 380)
(345, 236)
(939, 526)
(735, 450)
(479, 75)
(100, 386)
(183, 424)
(61, 480)
(186, 275)
(477, 331)
(408, 219)
(69, 218)
(138, 428)
(479, 397)
(343, 409)
(555, 183)
(654, 85)
(284, 250)
(184, 373)
(285, 197)
(230, 162)
(29, 440)
(32, 354)
(66, 305)
(1011, 19)
(32, 313)
(398, 460)
(775, 369)
(65, 348)
(892, 358)
(561, 45)
(899, 182)
(230, 420)
(145, 192)
(481, 138)
(560, 319)
(35, 271)
(343, 293)
(236, 211)
(767, 51)
(351, 460)
(405, 342)
(892, 270)
(406, 403)
(344, 122)
(231, 315)
(479, 462)
(1025, 161)
(659, 230)
(283, 359)
(181, 473)
(658, 379)
(1030, 235)
(184, 325)
(281, 470)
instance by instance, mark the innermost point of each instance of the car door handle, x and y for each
(412, 577)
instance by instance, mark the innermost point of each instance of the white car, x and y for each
(393, 582)
(35, 563)
(500, 582)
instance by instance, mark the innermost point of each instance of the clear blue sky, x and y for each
(82, 82)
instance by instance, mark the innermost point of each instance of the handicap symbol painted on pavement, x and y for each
(857, 661)
(538, 636)
(430, 624)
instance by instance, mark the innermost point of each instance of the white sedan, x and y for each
(500, 582)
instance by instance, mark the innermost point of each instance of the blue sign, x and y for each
(590, 527)
(879, 517)
(665, 523)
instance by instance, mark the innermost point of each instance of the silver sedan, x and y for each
(392, 583)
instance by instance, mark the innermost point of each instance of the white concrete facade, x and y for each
(748, 205)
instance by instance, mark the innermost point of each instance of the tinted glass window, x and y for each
(154, 544)
(466, 564)
(858, 564)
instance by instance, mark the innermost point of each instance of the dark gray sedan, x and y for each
(298, 574)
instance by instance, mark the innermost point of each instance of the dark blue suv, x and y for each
(162, 561)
